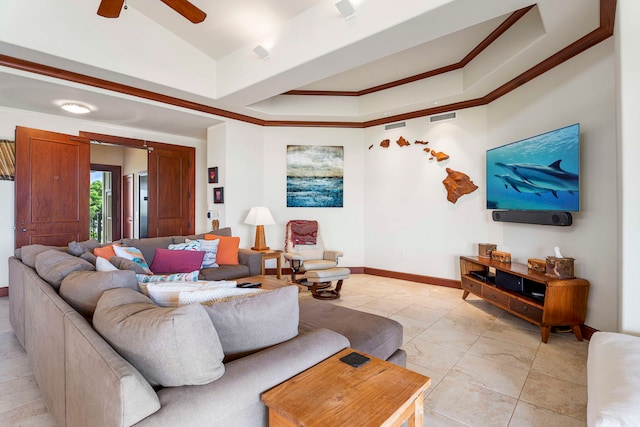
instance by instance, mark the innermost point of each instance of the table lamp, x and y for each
(259, 216)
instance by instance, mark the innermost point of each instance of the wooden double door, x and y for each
(52, 188)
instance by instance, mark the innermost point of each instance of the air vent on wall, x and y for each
(446, 116)
(395, 125)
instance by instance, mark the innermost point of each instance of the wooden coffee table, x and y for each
(333, 393)
(269, 282)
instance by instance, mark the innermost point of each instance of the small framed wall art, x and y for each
(218, 195)
(213, 175)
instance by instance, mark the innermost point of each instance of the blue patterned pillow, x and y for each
(189, 245)
(177, 277)
(210, 249)
(132, 254)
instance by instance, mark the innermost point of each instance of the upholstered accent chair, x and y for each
(305, 251)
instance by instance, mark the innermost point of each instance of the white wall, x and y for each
(10, 118)
(628, 61)
(410, 225)
(252, 168)
(342, 229)
(579, 91)
(396, 214)
(7, 222)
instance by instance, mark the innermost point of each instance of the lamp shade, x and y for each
(259, 216)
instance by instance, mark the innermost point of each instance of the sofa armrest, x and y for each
(234, 399)
(332, 255)
(251, 259)
(613, 380)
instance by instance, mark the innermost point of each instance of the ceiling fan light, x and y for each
(75, 108)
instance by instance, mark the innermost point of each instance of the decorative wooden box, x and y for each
(500, 256)
(485, 249)
(537, 265)
(562, 268)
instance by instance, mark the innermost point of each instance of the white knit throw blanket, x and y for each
(212, 296)
(173, 294)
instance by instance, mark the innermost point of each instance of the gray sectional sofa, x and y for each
(104, 355)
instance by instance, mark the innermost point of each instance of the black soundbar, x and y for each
(534, 217)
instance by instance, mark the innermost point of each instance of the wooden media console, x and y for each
(543, 300)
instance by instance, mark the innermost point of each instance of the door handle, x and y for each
(24, 230)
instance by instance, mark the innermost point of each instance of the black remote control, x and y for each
(249, 285)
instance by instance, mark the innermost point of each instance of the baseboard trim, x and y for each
(449, 283)
(429, 280)
(4, 292)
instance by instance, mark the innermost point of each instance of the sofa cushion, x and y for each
(170, 347)
(148, 245)
(226, 231)
(176, 261)
(29, 253)
(227, 249)
(78, 248)
(613, 380)
(133, 254)
(89, 257)
(369, 333)
(247, 325)
(225, 272)
(83, 289)
(126, 264)
(54, 265)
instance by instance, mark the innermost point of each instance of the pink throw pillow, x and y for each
(168, 261)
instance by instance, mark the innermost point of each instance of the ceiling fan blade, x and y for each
(186, 9)
(110, 8)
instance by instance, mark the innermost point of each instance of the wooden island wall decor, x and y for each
(456, 183)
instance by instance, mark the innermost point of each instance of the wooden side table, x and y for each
(277, 255)
(333, 393)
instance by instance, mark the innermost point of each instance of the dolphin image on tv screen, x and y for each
(552, 177)
(524, 187)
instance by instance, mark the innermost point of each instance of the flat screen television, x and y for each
(540, 173)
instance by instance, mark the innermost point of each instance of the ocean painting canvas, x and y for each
(539, 173)
(315, 176)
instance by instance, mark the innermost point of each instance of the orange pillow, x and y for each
(227, 249)
(105, 252)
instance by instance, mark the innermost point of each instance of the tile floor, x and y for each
(487, 367)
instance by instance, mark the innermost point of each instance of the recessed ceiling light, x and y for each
(75, 108)
(261, 51)
(346, 9)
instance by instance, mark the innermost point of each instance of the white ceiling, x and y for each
(151, 47)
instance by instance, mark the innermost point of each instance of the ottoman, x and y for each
(322, 277)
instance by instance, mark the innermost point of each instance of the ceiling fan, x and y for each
(112, 8)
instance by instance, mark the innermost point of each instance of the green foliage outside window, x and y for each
(95, 209)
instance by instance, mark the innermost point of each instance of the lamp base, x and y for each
(260, 243)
